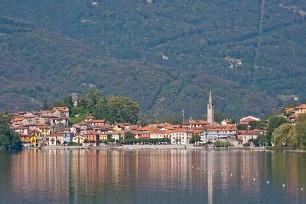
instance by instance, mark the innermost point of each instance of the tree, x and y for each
(219, 117)
(76, 110)
(45, 106)
(293, 141)
(114, 109)
(58, 103)
(68, 102)
(285, 135)
(122, 109)
(301, 131)
(195, 138)
(58, 142)
(174, 119)
(9, 140)
(91, 99)
(274, 122)
(256, 125)
(100, 110)
(221, 143)
(129, 136)
(242, 127)
(255, 142)
(94, 95)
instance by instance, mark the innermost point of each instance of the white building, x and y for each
(219, 133)
(181, 136)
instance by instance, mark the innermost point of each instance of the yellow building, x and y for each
(78, 139)
(44, 131)
(33, 140)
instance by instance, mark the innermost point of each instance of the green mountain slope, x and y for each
(38, 65)
(182, 43)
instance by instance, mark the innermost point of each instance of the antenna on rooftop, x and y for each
(183, 116)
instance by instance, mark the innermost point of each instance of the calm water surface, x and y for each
(152, 176)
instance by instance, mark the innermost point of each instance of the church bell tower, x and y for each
(210, 110)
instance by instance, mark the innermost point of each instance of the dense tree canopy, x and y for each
(113, 109)
(9, 140)
(195, 138)
(301, 130)
(274, 122)
(165, 54)
(285, 136)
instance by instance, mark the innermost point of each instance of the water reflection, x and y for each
(153, 176)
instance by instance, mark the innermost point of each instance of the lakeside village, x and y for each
(41, 129)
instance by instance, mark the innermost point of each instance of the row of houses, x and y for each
(37, 126)
(50, 127)
(291, 114)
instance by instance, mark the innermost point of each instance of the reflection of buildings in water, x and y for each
(89, 171)
(210, 171)
(78, 173)
(57, 168)
(67, 175)
(248, 171)
(232, 171)
(171, 169)
(289, 169)
(41, 172)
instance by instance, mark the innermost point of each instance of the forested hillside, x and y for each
(165, 54)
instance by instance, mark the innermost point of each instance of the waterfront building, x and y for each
(181, 136)
(78, 139)
(219, 133)
(116, 135)
(160, 134)
(68, 137)
(245, 135)
(56, 139)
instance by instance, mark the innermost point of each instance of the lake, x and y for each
(152, 176)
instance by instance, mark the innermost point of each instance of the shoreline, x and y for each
(155, 147)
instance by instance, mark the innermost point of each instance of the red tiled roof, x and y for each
(303, 106)
(182, 130)
(196, 132)
(96, 121)
(17, 119)
(29, 116)
(64, 109)
(293, 116)
(123, 124)
(148, 128)
(200, 122)
(48, 116)
(221, 128)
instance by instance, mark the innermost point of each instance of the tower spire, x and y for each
(210, 98)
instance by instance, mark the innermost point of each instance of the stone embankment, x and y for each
(123, 147)
(189, 146)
